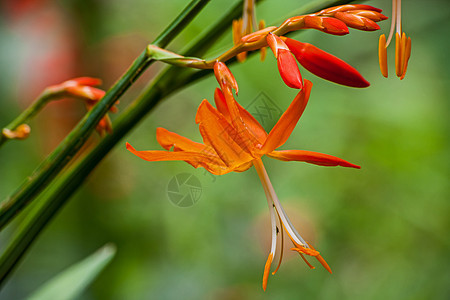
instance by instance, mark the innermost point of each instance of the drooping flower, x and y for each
(235, 141)
(402, 44)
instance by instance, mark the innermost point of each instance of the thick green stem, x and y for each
(61, 156)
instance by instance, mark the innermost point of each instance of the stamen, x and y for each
(399, 16)
(291, 231)
(382, 55)
(322, 261)
(306, 261)
(393, 22)
(281, 245)
(266, 271)
(398, 55)
(406, 57)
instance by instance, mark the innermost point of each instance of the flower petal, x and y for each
(311, 157)
(325, 65)
(250, 122)
(168, 139)
(212, 163)
(286, 124)
(230, 145)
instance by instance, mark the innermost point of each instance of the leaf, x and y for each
(71, 282)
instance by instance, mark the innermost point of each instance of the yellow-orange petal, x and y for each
(230, 145)
(286, 124)
(168, 139)
(210, 162)
(267, 271)
(250, 122)
(382, 55)
(311, 157)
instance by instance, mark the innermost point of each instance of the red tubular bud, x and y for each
(287, 66)
(325, 65)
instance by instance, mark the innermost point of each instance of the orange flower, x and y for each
(402, 44)
(234, 141)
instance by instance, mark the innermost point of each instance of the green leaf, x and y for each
(71, 282)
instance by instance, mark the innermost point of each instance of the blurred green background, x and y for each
(382, 229)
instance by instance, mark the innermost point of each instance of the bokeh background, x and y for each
(383, 229)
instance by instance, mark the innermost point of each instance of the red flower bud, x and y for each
(325, 65)
(287, 66)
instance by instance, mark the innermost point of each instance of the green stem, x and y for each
(28, 113)
(62, 155)
(59, 193)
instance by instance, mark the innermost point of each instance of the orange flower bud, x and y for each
(326, 24)
(357, 22)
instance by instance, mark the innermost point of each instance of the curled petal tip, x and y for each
(225, 77)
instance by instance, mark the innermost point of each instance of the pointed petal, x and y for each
(311, 157)
(251, 123)
(286, 124)
(357, 22)
(211, 163)
(168, 139)
(218, 133)
(325, 65)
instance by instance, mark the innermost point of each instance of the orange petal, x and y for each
(251, 123)
(382, 55)
(85, 81)
(86, 92)
(311, 157)
(168, 139)
(210, 162)
(230, 145)
(224, 76)
(286, 124)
